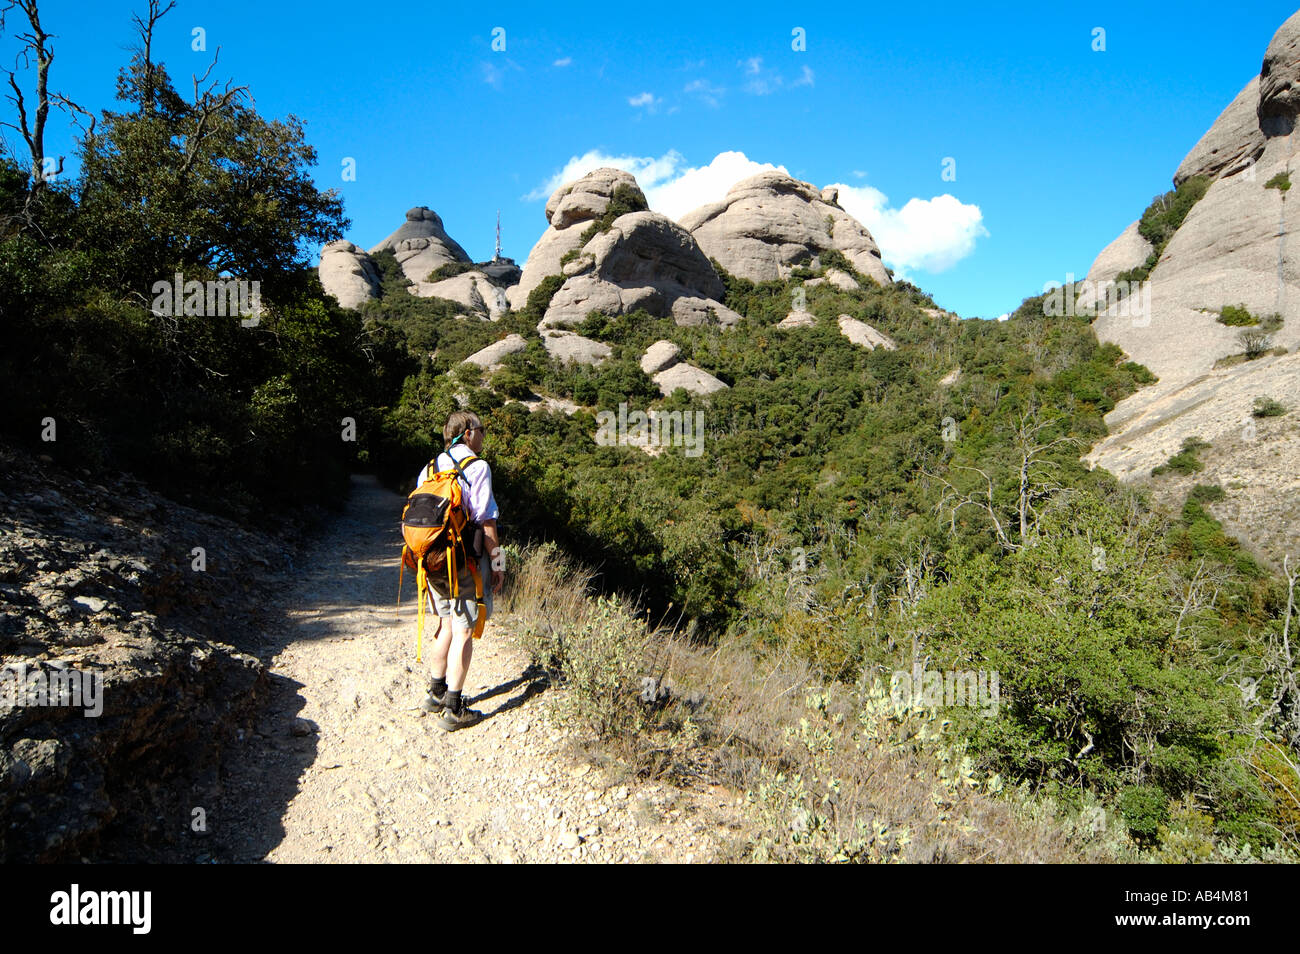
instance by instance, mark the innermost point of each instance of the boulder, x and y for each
(473, 289)
(645, 260)
(769, 223)
(941, 313)
(1126, 252)
(562, 405)
(689, 311)
(569, 212)
(347, 273)
(861, 333)
(566, 346)
(1279, 80)
(492, 356)
(660, 356)
(1231, 144)
(841, 280)
(421, 244)
(683, 375)
(797, 319)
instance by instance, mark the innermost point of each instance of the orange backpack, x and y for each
(433, 528)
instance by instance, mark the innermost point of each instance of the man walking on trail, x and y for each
(454, 646)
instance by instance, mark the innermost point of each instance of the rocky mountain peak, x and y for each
(771, 222)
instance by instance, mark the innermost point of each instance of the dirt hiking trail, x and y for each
(343, 766)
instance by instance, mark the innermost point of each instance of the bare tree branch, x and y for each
(36, 43)
(207, 103)
(145, 28)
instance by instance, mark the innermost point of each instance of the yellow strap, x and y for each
(478, 598)
(401, 571)
(421, 587)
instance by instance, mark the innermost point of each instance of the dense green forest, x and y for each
(869, 511)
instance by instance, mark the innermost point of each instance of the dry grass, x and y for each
(828, 772)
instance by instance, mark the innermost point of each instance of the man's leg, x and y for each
(461, 646)
(441, 645)
(456, 715)
(437, 660)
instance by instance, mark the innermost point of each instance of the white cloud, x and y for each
(706, 91)
(645, 101)
(762, 81)
(691, 188)
(647, 170)
(759, 84)
(563, 61)
(927, 234)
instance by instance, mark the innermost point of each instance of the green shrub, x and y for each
(1207, 493)
(450, 270)
(1166, 213)
(600, 661)
(539, 299)
(1281, 182)
(1236, 316)
(1145, 808)
(626, 198)
(1184, 462)
(1268, 407)
(1161, 220)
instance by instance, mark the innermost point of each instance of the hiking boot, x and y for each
(433, 704)
(451, 721)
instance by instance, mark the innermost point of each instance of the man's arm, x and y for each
(493, 550)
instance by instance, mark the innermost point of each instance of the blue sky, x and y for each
(1056, 147)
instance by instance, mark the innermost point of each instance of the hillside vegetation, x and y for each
(854, 514)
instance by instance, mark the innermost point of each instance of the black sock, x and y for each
(439, 685)
(452, 701)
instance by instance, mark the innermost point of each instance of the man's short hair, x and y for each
(459, 423)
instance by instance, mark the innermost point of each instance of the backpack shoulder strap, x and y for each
(459, 465)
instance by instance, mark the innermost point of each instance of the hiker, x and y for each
(454, 645)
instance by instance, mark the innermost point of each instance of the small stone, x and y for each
(91, 604)
(301, 727)
(570, 840)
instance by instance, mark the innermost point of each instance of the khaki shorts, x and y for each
(464, 610)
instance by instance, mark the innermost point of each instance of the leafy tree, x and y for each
(204, 185)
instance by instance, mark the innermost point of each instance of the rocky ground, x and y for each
(1254, 464)
(344, 767)
(265, 707)
(99, 577)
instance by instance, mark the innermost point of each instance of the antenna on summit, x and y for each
(496, 257)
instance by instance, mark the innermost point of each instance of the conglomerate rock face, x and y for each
(769, 223)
